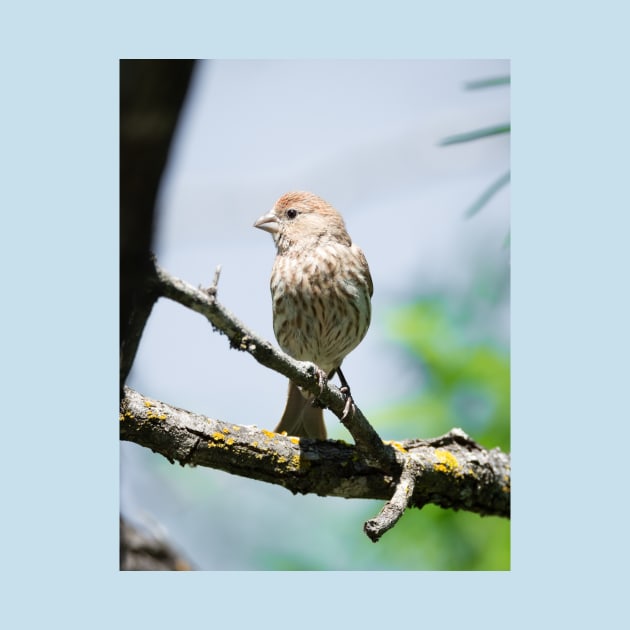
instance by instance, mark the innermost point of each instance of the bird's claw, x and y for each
(322, 377)
(345, 390)
(322, 381)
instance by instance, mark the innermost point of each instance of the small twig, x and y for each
(396, 506)
(213, 288)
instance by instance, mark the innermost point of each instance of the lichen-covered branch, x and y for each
(450, 471)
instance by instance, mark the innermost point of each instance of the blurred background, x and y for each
(368, 136)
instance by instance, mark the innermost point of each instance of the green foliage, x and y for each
(463, 371)
(465, 384)
(463, 374)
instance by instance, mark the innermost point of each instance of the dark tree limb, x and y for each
(143, 551)
(152, 93)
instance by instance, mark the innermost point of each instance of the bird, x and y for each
(321, 291)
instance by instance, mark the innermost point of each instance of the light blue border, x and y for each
(59, 252)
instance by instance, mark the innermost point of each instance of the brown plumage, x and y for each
(320, 289)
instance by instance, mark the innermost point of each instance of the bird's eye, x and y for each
(291, 213)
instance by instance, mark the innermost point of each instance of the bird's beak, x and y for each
(268, 222)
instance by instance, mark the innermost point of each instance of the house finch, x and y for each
(320, 289)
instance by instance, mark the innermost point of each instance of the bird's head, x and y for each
(302, 219)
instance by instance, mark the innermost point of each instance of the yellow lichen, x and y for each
(218, 436)
(246, 345)
(229, 441)
(225, 430)
(235, 427)
(148, 403)
(294, 440)
(397, 445)
(126, 414)
(447, 462)
(216, 445)
(269, 434)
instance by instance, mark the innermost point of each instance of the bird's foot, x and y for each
(322, 381)
(345, 390)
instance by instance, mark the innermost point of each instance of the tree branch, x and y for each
(450, 471)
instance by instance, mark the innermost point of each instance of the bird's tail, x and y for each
(300, 418)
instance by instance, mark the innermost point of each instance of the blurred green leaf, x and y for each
(504, 128)
(477, 134)
(486, 83)
(487, 194)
